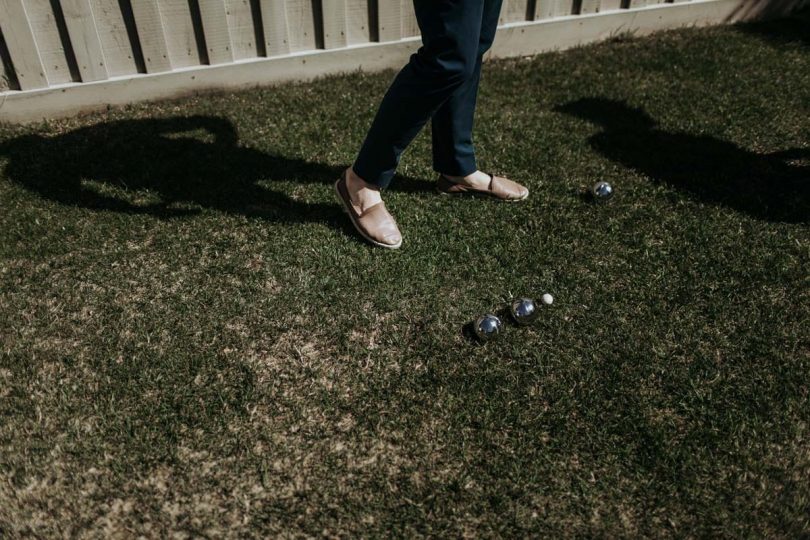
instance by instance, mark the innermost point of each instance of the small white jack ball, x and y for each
(547, 299)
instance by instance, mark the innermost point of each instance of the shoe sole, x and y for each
(481, 194)
(357, 227)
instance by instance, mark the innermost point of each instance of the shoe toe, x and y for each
(389, 235)
(392, 239)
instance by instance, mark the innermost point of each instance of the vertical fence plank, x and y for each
(114, 39)
(513, 10)
(301, 25)
(334, 24)
(43, 25)
(84, 38)
(547, 9)
(389, 20)
(644, 3)
(151, 36)
(179, 33)
(589, 6)
(243, 33)
(274, 20)
(409, 27)
(215, 30)
(610, 5)
(22, 46)
(357, 22)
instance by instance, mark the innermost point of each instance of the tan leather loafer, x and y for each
(376, 224)
(499, 188)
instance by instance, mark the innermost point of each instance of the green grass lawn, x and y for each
(193, 340)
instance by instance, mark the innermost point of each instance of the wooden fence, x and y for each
(62, 56)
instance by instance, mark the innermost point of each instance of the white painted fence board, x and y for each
(357, 22)
(243, 33)
(274, 20)
(644, 3)
(547, 9)
(589, 6)
(513, 10)
(334, 24)
(609, 5)
(179, 33)
(410, 26)
(151, 36)
(112, 34)
(84, 39)
(300, 25)
(389, 20)
(215, 30)
(46, 33)
(22, 46)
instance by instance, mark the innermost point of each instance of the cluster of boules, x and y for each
(523, 311)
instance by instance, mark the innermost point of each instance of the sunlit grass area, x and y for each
(195, 342)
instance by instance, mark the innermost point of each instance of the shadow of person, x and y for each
(773, 187)
(168, 167)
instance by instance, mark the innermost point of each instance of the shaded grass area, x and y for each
(194, 341)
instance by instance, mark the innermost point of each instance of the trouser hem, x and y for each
(381, 179)
(464, 168)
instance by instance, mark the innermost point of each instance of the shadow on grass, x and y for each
(773, 187)
(785, 30)
(170, 167)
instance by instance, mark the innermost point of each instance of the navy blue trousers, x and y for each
(440, 83)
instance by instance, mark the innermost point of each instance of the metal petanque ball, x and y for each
(487, 327)
(602, 191)
(524, 310)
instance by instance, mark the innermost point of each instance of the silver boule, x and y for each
(524, 310)
(602, 191)
(487, 327)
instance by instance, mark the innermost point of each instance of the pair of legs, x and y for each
(440, 82)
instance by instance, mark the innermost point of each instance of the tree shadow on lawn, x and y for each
(166, 166)
(765, 186)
